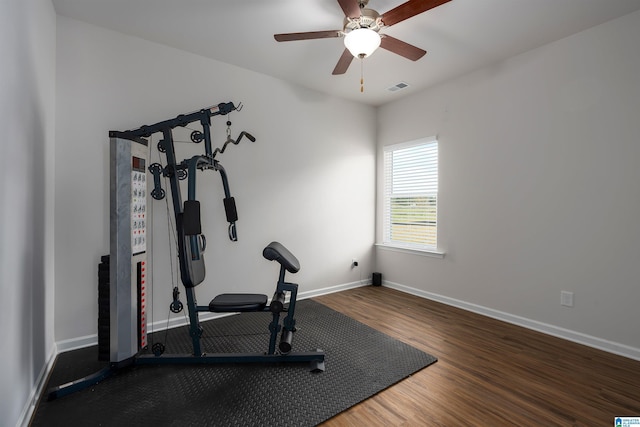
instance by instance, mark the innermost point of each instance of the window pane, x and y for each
(413, 220)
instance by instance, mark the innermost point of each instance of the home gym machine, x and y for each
(129, 260)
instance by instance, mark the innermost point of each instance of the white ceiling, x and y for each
(459, 36)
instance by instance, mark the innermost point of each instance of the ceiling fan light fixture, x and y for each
(362, 42)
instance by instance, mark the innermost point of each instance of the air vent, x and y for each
(397, 87)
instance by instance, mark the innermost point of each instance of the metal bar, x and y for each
(194, 323)
(311, 356)
(225, 180)
(80, 384)
(274, 328)
(181, 120)
(289, 322)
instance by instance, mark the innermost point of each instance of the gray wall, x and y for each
(538, 187)
(308, 181)
(27, 84)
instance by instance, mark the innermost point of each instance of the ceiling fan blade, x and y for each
(350, 8)
(409, 9)
(401, 48)
(287, 37)
(343, 63)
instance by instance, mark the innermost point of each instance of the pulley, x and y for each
(157, 349)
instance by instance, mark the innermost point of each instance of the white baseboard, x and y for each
(175, 322)
(36, 391)
(160, 325)
(333, 289)
(76, 343)
(577, 337)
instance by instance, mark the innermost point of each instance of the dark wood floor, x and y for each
(489, 373)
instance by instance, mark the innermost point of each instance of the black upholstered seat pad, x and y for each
(238, 302)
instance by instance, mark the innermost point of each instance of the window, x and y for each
(411, 194)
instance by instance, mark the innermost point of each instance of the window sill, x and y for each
(433, 253)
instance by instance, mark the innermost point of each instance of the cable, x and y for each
(173, 240)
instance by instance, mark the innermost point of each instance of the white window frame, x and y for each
(425, 189)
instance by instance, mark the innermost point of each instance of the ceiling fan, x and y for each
(361, 30)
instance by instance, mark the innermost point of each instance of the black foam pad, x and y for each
(191, 218)
(276, 252)
(230, 209)
(192, 269)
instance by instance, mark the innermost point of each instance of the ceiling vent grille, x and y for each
(398, 86)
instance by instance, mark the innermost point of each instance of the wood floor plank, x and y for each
(489, 373)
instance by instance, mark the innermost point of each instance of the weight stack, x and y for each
(103, 310)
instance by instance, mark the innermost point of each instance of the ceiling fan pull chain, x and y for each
(361, 75)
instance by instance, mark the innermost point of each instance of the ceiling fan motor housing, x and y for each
(369, 18)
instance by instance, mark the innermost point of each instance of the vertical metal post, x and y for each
(194, 323)
(195, 330)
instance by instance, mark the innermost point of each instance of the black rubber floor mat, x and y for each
(360, 362)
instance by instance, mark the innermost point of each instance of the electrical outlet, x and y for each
(566, 298)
